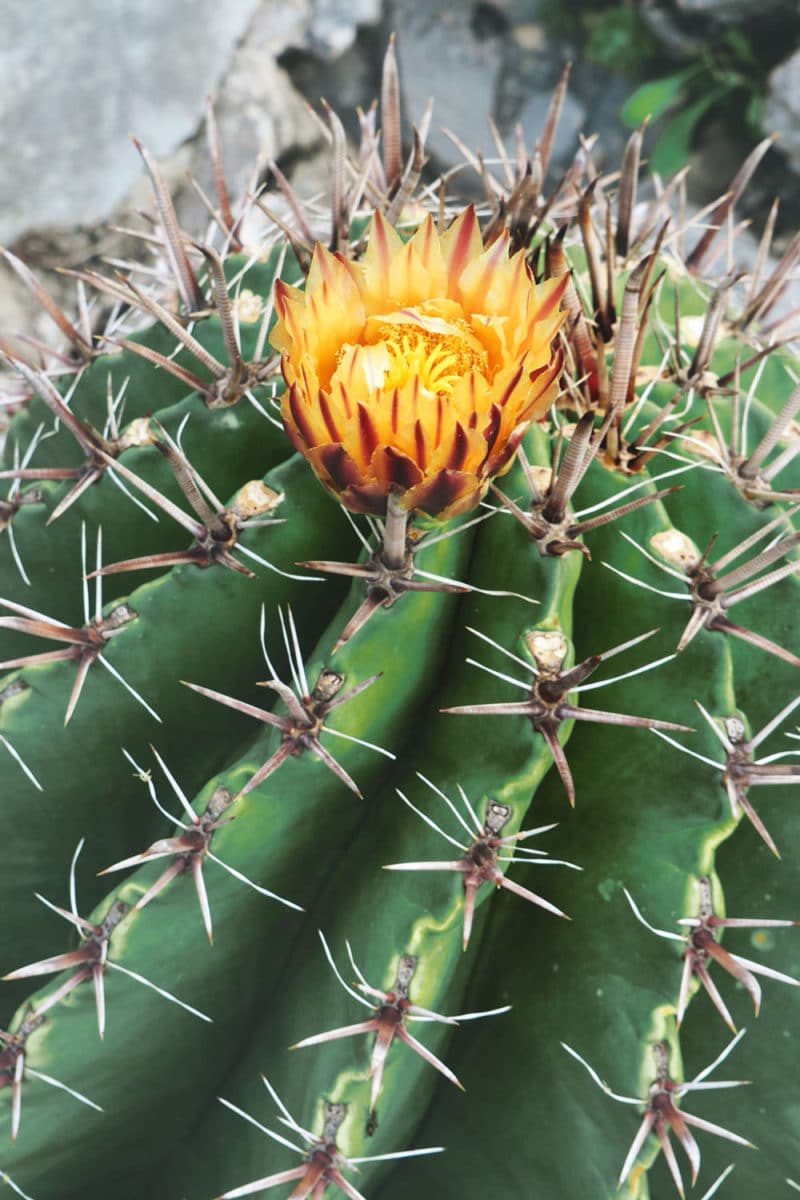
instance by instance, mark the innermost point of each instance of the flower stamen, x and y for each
(437, 360)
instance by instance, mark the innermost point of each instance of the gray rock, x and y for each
(498, 59)
(77, 77)
(259, 115)
(676, 35)
(572, 122)
(440, 56)
(782, 110)
(730, 12)
(334, 24)
(686, 28)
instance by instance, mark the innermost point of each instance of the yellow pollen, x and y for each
(437, 360)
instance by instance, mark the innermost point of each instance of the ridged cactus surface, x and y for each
(317, 762)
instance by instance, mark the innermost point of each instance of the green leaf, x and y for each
(674, 146)
(754, 113)
(739, 45)
(655, 98)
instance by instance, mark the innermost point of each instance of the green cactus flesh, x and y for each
(293, 869)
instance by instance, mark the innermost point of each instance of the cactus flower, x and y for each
(418, 371)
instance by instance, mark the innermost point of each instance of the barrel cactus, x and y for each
(275, 789)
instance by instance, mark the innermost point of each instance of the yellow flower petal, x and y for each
(461, 243)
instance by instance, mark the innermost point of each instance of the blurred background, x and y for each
(78, 76)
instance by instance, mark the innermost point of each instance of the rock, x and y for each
(782, 109)
(731, 12)
(499, 59)
(259, 114)
(333, 24)
(72, 89)
(687, 28)
(440, 55)
(74, 84)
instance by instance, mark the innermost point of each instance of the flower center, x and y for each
(438, 360)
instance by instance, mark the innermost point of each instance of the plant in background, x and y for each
(654, 403)
(718, 69)
(728, 77)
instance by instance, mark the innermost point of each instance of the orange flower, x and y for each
(418, 371)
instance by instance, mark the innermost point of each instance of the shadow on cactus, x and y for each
(590, 343)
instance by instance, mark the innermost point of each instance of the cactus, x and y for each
(242, 870)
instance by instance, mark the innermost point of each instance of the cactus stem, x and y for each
(190, 849)
(323, 1159)
(663, 1114)
(551, 529)
(216, 530)
(308, 710)
(393, 1010)
(635, 379)
(547, 707)
(387, 581)
(481, 855)
(701, 946)
(395, 533)
(14, 1187)
(86, 643)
